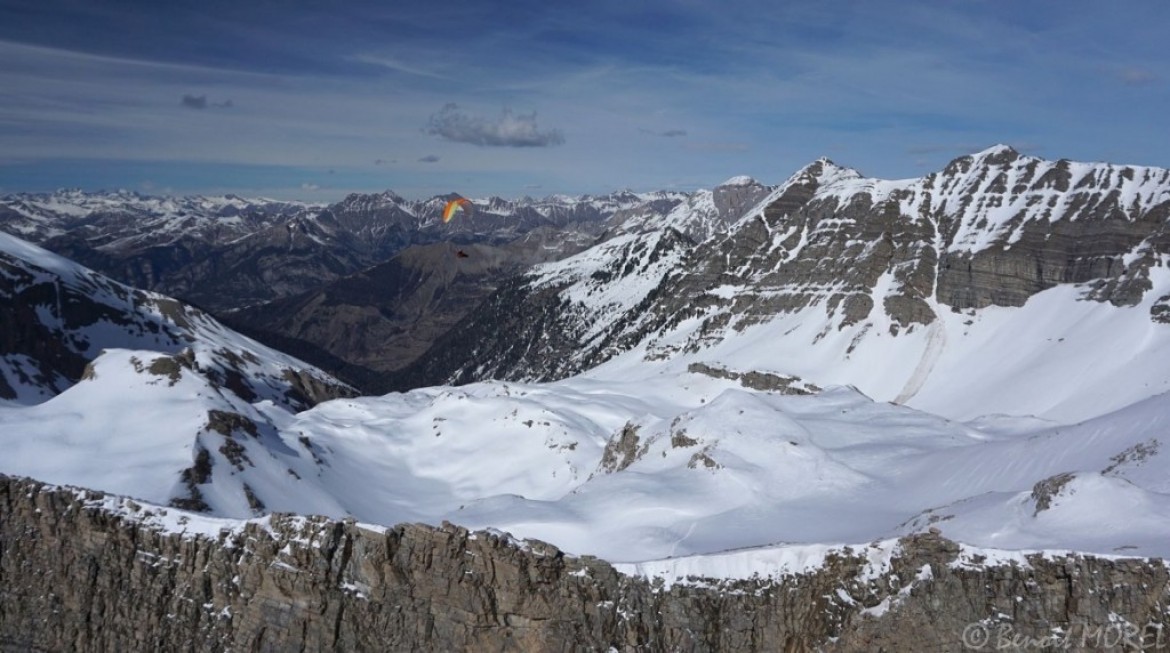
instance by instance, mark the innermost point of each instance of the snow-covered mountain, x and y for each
(698, 215)
(979, 351)
(644, 469)
(57, 317)
(227, 252)
(143, 373)
(958, 292)
(211, 250)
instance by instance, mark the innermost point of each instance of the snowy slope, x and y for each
(1038, 426)
(1057, 357)
(134, 388)
(587, 279)
(675, 465)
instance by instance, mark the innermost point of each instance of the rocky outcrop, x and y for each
(84, 571)
(784, 384)
(621, 451)
(736, 195)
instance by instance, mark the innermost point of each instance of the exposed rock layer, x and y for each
(82, 571)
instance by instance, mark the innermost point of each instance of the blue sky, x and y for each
(316, 100)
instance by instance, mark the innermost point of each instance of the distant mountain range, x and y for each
(326, 268)
(227, 252)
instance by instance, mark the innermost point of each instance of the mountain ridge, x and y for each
(861, 256)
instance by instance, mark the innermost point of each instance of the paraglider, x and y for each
(457, 205)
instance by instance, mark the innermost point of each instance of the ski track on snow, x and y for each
(936, 342)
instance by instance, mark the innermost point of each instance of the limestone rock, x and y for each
(85, 571)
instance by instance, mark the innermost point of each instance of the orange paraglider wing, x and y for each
(455, 206)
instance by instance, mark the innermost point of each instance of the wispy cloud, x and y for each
(194, 101)
(666, 133)
(430, 158)
(200, 102)
(399, 66)
(509, 130)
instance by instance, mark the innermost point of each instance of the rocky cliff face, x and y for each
(736, 196)
(1028, 224)
(84, 571)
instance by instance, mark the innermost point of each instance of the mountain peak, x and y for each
(996, 155)
(740, 180)
(999, 153)
(823, 171)
(384, 197)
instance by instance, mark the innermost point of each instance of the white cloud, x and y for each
(509, 130)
